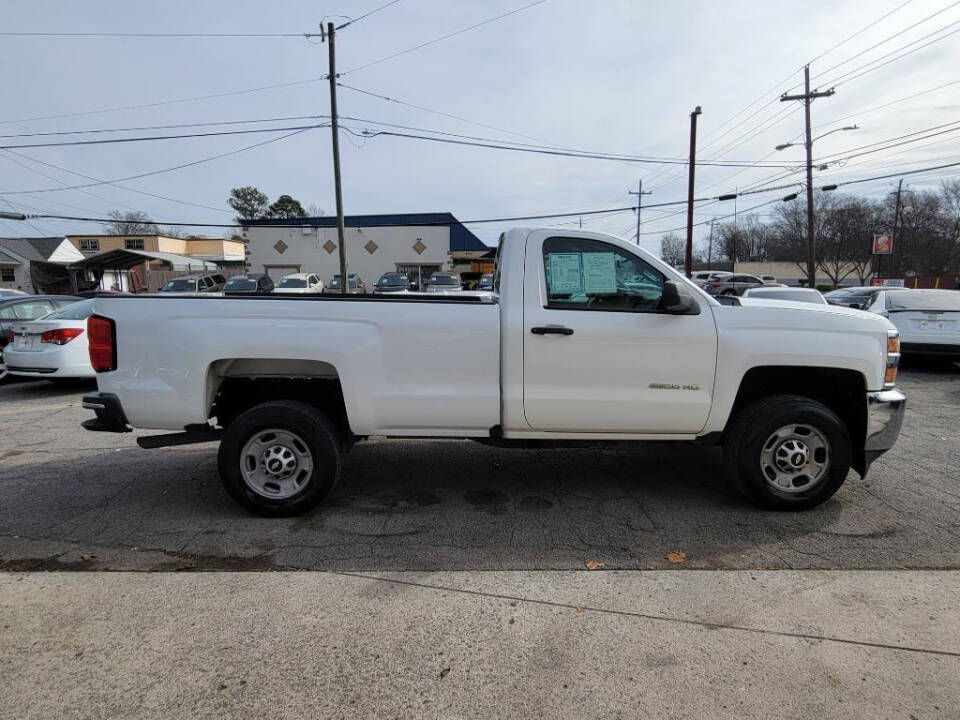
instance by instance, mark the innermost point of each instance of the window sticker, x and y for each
(565, 275)
(599, 273)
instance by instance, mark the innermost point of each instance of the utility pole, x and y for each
(688, 259)
(807, 98)
(710, 250)
(335, 134)
(639, 193)
(896, 225)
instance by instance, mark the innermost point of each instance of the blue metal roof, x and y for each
(461, 239)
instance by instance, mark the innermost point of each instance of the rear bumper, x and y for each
(885, 411)
(110, 416)
(931, 349)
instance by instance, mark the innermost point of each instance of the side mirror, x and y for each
(856, 306)
(677, 301)
(264, 284)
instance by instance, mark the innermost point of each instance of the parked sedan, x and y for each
(355, 286)
(392, 282)
(249, 284)
(300, 284)
(734, 284)
(928, 320)
(54, 346)
(855, 297)
(199, 282)
(443, 283)
(20, 308)
(702, 277)
(793, 294)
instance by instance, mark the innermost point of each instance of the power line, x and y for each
(844, 155)
(156, 172)
(157, 34)
(161, 137)
(166, 127)
(367, 14)
(442, 37)
(564, 153)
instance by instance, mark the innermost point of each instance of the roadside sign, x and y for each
(882, 244)
(893, 282)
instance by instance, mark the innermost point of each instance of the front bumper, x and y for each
(110, 417)
(885, 410)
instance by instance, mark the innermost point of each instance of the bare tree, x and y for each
(130, 223)
(673, 249)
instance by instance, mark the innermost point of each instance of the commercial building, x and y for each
(416, 243)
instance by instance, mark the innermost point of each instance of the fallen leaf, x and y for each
(834, 682)
(594, 564)
(578, 608)
(676, 557)
(443, 673)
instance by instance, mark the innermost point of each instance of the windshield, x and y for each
(335, 281)
(393, 279)
(930, 300)
(240, 283)
(74, 311)
(444, 280)
(486, 281)
(289, 282)
(180, 285)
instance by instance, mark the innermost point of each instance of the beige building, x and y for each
(215, 250)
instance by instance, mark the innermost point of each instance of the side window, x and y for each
(219, 279)
(207, 282)
(583, 274)
(33, 310)
(6, 313)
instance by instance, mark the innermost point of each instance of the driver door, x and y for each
(599, 353)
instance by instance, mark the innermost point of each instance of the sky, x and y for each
(608, 77)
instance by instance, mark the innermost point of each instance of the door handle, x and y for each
(552, 330)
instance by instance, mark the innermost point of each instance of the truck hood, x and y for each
(786, 314)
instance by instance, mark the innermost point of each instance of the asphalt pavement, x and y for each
(72, 499)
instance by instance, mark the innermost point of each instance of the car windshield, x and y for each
(291, 282)
(335, 281)
(240, 283)
(930, 300)
(180, 285)
(443, 280)
(74, 311)
(392, 280)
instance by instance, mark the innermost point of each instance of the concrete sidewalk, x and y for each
(677, 644)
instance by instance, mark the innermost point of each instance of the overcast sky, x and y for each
(610, 76)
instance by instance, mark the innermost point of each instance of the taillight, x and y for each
(60, 336)
(101, 337)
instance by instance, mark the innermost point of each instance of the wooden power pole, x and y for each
(335, 135)
(807, 97)
(639, 193)
(688, 258)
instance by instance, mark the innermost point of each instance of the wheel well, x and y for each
(841, 390)
(239, 384)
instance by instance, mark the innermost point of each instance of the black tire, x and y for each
(731, 291)
(755, 425)
(313, 428)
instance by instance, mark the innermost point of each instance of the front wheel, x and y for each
(787, 452)
(280, 458)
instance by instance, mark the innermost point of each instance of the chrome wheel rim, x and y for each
(795, 458)
(276, 464)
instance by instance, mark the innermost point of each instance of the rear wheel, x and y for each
(280, 458)
(731, 291)
(787, 452)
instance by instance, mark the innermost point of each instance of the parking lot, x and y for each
(79, 500)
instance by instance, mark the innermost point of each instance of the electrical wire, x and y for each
(441, 38)
(367, 14)
(156, 172)
(155, 34)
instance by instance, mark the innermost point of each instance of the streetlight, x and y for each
(790, 144)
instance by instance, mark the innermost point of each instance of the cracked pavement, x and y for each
(95, 501)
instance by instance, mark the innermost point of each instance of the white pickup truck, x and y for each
(585, 339)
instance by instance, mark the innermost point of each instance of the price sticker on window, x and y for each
(599, 273)
(565, 274)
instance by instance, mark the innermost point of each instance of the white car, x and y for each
(443, 283)
(793, 294)
(928, 320)
(53, 346)
(299, 284)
